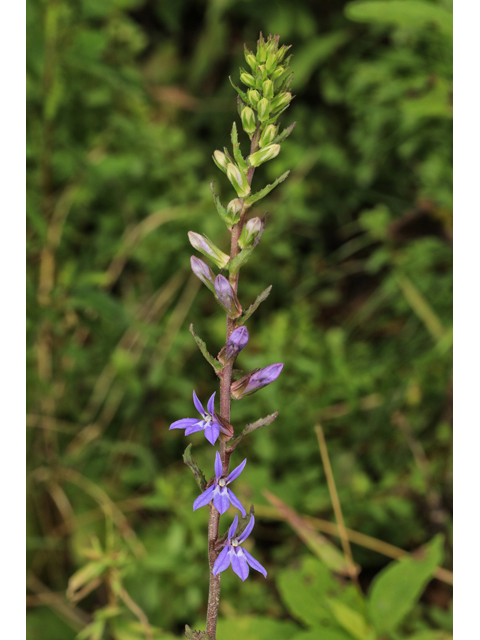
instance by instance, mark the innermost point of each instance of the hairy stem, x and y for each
(225, 382)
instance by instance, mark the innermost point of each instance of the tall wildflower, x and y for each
(265, 98)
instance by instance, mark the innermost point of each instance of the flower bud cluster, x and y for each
(268, 85)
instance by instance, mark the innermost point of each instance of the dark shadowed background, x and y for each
(127, 99)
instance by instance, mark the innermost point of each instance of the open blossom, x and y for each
(233, 554)
(218, 492)
(207, 423)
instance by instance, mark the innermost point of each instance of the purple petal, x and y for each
(198, 426)
(218, 466)
(236, 502)
(198, 405)
(222, 562)
(254, 563)
(211, 405)
(247, 531)
(233, 527)
(212, 432)
(184, 423)
(236, 472)
(204, 498)
(239, 564)
(221, 501)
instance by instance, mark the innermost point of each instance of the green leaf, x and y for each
(255, 628)
(222, 212)
(197, 472)
(285, 133)
(410, 14)
(351, 620)
(263, 422)
(323, 633)
(241, 93)
(195, 635)
(396, 589)
(253, 307)
(240, 260)
(431, 634)
(236, 149)
(203, 348)
(266, 190)
(304, 591)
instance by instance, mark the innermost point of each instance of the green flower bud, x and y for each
(268, 135)
(239, 180)
(261, 71)
(279, 71)
(259, 83)
(220, 160)
(248, 121)
(261, 50)
(206, 246)
(280, 101)
(234, 209)
(249, 232)
(281, 52)
(251, 61)
(263, 110)
(253, 96)
(247, 79)
(261, 156)
(267, 87)
(271, 63)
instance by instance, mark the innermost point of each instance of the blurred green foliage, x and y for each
(127, 99)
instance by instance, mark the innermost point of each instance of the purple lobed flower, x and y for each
(235, 555)
(218, 492)
(208, 422)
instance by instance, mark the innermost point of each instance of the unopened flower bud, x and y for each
(263, 110)
(281, 52)
(203, 272)
(267, 87)
(251, 60)
(247, 79)
(279, 71)
(271, 62)
(253, 96)
(237, 341)
(220, 160)
(248, 121)
(255, 380)
(261, 50)
(262, 155)
(268, 135)
(249, 232)
(226, 297)
(234, 209)
(238, 179)
(280, 101)
(206, 246)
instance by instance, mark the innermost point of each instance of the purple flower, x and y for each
(208, 422)
(227, 297)
(255, 380)
(237, 341)
(218, 492)
(233, 554)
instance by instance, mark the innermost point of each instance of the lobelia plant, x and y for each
(259, 107)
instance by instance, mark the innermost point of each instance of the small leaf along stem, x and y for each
(225, 382)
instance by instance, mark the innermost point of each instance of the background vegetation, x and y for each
(127, 99)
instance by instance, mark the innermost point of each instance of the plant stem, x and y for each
(225, 382)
